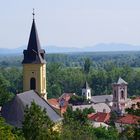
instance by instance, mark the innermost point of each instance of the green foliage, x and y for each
(87, 65)
(5, 95)
(77, 127)
(133, 111)
(88, 110)
(13, 78)
(63, 80)
(113, 117)
(6, 131)
(77, 100)
(37, 125)
(65, 72)
(106, 134)
(131, 132)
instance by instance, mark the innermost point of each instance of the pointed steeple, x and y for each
(86, 86)
(34, 53)
(34, 43)
(121, 81)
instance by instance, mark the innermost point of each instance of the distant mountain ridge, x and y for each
(95, 48)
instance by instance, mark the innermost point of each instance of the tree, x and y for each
(37, 125)
(5, 95)
(106, 134)
(76, 126)
(77, 100)
(87, 65)
(113, 117)
(88, 110)
(6, 131)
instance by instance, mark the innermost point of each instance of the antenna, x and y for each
(33, 13)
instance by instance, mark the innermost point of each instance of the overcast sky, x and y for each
(70, 23)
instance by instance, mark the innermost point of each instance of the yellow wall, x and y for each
(38, 71)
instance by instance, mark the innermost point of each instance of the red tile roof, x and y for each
(128, 119)
(99, 117)
(54, 102)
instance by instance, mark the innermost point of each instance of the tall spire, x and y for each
(34, 43)
(34, 53)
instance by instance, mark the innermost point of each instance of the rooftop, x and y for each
(86, 86)
(128, 119)
(121, 81)
(102, 98)
(100, 107)
(99, 117)
(13, 111)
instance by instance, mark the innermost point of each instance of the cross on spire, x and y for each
(33, 13)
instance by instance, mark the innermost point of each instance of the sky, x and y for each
(70, 23)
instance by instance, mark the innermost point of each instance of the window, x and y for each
(32, 83)
(122, 94)
(115, 94)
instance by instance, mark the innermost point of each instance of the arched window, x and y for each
(115, 94)
(32, 83)
(122, 94)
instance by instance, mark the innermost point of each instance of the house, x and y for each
(13, 111)
(61, 103)
(100, 107)
(99, 119)
(126, 120)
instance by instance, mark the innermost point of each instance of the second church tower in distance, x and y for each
(34, 64)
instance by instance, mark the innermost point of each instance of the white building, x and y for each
(86, 91)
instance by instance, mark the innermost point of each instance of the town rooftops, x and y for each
(54, 103)
(128, 119)
(13, 111)
(99, 117)
(61, 103)
(100, 107)
(102, 98)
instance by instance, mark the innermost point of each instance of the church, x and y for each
(34, 84)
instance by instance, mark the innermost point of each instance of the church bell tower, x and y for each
(119, 96)
(34, 64)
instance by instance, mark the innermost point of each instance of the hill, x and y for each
(58, 49)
